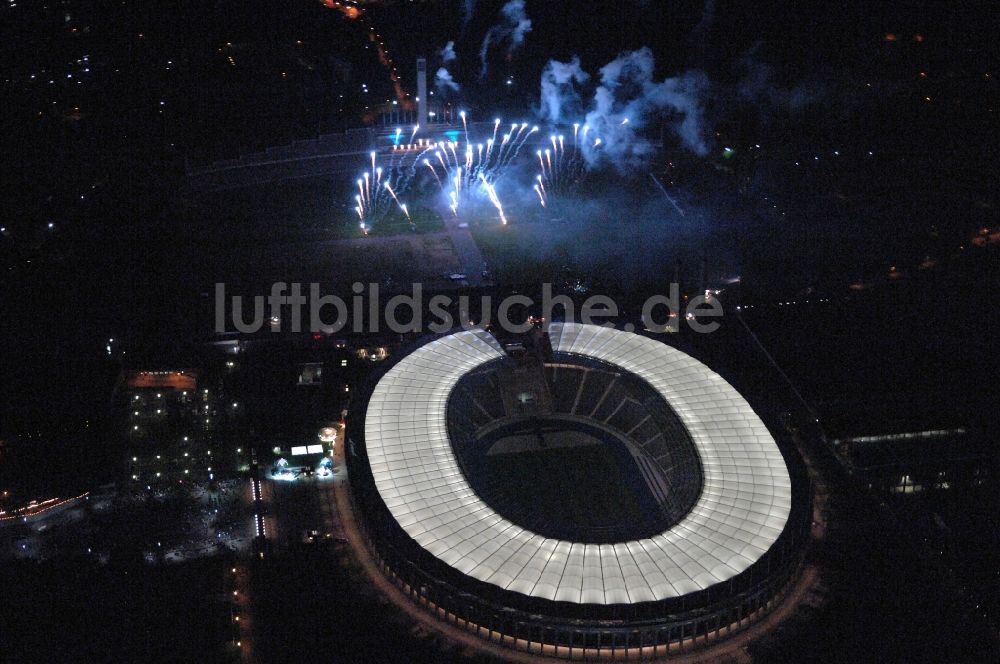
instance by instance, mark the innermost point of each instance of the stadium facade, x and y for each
(721, 507)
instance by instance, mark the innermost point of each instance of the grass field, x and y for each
(582, 486)
(608, 244)
(303, 230)
(313, 208)
(307, 230)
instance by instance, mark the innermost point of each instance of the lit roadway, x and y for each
(289, 510)
(473, 264)
(295, 508)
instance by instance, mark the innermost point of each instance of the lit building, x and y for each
(170, 422)
(705, 532)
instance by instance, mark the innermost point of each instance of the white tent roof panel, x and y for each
(741, 511)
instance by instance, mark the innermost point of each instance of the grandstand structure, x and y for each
(340, 153)
(324, 155)
(457, 455)
(588, 402)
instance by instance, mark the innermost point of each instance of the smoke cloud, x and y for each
(512, 28)
(625, 101)
(558, 91)
(447, 54)
(468, 9)
(628, 98)
(444, 82)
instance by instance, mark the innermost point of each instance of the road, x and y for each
(473, 264)
(296, 508)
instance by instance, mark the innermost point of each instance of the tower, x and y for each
(422, 92)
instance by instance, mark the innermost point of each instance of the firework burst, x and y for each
(561, 166)
(468, 171)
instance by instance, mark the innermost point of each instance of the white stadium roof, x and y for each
(742, 509)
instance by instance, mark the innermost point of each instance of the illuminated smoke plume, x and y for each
(558, 94)
(626, 100)
(444, 82)
(512, 28)
(447, 54)
(468, 9)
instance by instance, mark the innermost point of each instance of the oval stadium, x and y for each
(582, 492)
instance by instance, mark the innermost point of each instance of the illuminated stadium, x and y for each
(576, 493)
